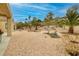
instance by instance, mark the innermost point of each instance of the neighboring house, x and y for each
(6, 22)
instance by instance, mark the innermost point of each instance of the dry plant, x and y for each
(72, 44)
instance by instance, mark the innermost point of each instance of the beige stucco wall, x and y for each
(3, 21)
(6, 18)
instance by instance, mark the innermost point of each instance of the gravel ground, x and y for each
(25, 43)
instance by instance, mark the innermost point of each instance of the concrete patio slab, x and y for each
(4, 43)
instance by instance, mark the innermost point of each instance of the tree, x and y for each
(29, 22)
(61, 22)
(72, 17)
(36, 22)
(26, 24)
(20, 25)
(48, 20)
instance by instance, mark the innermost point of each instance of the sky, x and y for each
(21, 11)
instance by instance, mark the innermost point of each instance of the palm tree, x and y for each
(36, 22)
(20, 25)
(61, 22)
(48, 20)
(29, 22)
(72, 17)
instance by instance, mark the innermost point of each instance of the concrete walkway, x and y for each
(4, 43)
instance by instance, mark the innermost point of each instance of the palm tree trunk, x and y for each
(63, 27)
(30, 28)
(48, 29)
(36, 28)
(71, 29)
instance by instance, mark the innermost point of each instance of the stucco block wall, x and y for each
(3, 21)
(3, 24)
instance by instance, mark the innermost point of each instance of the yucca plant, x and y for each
(72, 17)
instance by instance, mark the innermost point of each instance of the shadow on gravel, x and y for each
(69, 33)
(52, 35)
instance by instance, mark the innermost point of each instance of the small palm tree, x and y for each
(29, 22)
(72, 17)
(36, 22)
(48, 20)
(62, 23)
(20, 25)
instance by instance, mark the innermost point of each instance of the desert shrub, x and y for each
(72, 45)
(72, 49)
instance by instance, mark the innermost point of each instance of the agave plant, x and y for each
(72, 17)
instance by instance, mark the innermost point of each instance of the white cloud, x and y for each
(32, 6)
(62, 10)
(38, 7)
(16, 4)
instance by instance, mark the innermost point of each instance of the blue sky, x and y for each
(22, 11)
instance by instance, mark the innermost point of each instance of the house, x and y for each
(6, 21)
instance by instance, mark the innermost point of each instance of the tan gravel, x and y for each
(25, 43)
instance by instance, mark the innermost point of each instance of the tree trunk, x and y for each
(71, 29)
(30, 28)
(63, 27)
(48, 29)
(36, 28)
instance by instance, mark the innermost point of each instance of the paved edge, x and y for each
(4, 44)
